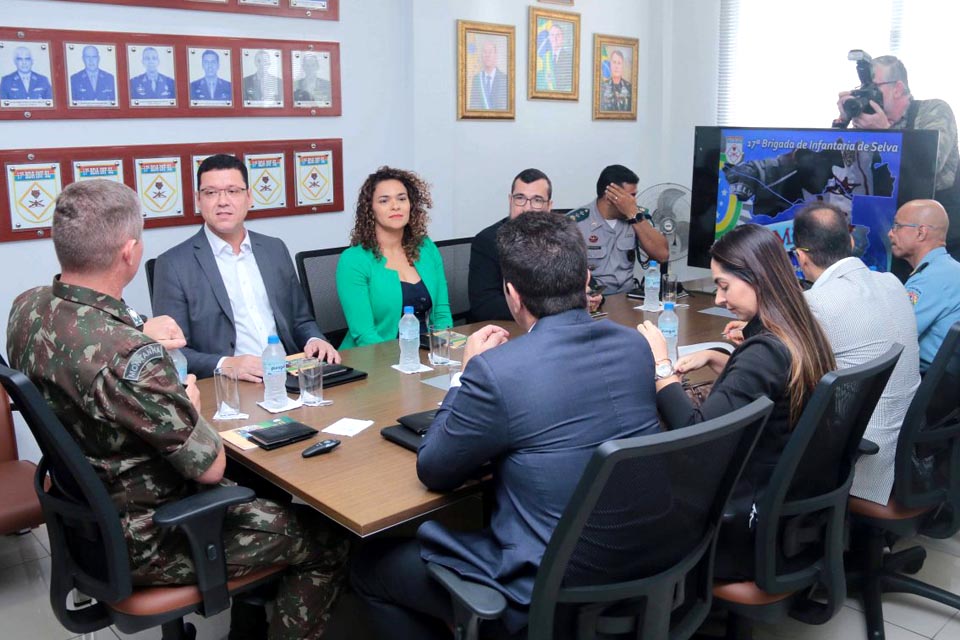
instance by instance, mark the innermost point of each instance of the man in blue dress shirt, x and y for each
(152, 85)
(918, 235)
(210, 86)
(24, 83)
(92, 83)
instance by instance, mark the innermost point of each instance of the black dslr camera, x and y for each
(859, 102)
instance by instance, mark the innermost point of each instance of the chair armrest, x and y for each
(482, 601)
(200, 516)
(868, 447)
(182, 512)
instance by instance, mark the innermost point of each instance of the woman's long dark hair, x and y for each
(756, 255)
(365, 227)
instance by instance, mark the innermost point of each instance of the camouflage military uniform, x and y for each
(611, 252)
(117, 392)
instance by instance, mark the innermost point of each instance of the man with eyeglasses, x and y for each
(918, 235)
(616, 228)
(531, 190)
(863, 313)
(900, 110)
(230, 289)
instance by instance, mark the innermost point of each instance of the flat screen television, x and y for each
(764, 176)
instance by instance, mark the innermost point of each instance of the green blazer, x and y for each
(372, 299)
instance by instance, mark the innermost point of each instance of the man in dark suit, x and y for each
(92, 84)
(531, 190)
(230, 289)
(514, 407)
(211, 86)
(489, 87)
(262, 85)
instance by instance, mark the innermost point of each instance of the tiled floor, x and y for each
(25, 608)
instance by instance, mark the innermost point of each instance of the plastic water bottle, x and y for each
(409, 332)
(180, 362)
(669, 325)
(651, 287)
(274, 374)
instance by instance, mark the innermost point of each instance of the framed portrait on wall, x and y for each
(25, 75)
(554, 55)
(486, 71)
(614, 77)
(568, 3)
(153, 77)
(262, 78)
(211, 80)
(92, 74)
(310, 71)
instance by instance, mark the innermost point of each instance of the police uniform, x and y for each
(81, 89)
(611, 252)
(12, 88)
(934, 290)
(116, 390)
(162, 88)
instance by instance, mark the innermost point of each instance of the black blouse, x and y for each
(417, 296)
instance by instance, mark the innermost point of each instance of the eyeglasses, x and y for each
(896, 226)
(536, 202)
(213, 194)
(793, 252)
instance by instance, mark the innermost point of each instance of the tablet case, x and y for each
(418, 422)
(282, 434)
(399, 434)
(338, 374)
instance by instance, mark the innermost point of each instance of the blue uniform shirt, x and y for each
(934, 290)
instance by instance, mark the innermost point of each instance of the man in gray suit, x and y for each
(229, 289)
(514, 407)
(862, 312)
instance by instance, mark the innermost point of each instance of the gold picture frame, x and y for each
(553, 71)
(615, 68)
(486, 71)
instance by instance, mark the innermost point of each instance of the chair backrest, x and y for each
(148, 268)
(87, 546)
(456, 268)
(927, 468)
(318, 277)
(635, 545)
(801, 513)
(8, 436)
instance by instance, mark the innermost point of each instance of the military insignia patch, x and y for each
(914, 297)
(140, 358)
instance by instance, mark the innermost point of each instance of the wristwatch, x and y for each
(664, 369)
(642, 214)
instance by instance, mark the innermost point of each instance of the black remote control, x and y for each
(324, 446)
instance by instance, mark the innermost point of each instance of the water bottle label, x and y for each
(669, 332)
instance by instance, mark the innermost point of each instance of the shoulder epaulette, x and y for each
(579, 215)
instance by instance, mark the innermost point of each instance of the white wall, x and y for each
(398, 62)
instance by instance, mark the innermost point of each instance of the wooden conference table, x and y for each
(368, 484)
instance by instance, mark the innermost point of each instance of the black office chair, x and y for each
(926, 493)
(87, 547)
(800, 530)
(318, 277)
(456, 269)
(632, 554)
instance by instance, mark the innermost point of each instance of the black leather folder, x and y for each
(333, 375)
(281, 434)
(399, 434)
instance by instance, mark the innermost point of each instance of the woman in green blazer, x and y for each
(391, 263)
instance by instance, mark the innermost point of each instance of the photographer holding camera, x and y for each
(883, 101)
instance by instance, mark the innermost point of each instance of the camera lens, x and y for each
(853, 107)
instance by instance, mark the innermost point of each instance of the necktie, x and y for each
(489, 84)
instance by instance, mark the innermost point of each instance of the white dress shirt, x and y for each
(252, 314)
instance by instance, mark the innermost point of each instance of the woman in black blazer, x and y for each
(783, 356)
